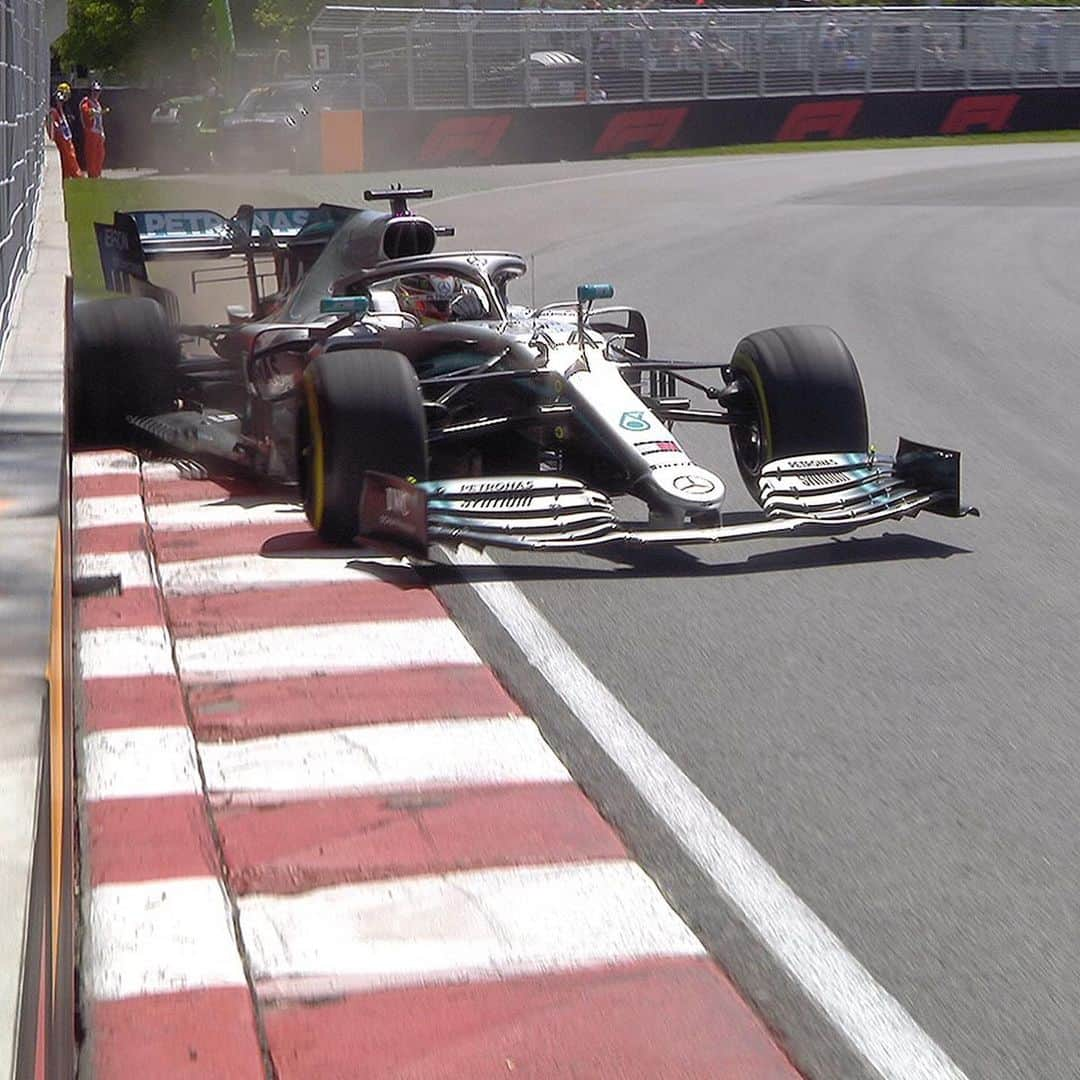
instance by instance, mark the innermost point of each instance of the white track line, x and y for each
(125, 653)
(238, 573)
(129, 763)
(106, 463)
(384, 758)
(158, 937)
(874, 1024)
(316, 650)
(480, 924)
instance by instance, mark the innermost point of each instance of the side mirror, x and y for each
(586, 294)
(344, 305)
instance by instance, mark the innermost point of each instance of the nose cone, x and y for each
(690, 487)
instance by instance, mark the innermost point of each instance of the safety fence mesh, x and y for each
(24, 90)
(470, 58)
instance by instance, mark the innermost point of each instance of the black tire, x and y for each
(806, 394)
(124, 362)
(360, 411)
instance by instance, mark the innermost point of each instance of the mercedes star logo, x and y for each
(693, 485)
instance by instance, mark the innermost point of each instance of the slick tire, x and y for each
(360, 411)
(803, 394)
(124, 362)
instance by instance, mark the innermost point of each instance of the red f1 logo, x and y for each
(642, 129)
(990, 112)
(824, 119)
(464, 137)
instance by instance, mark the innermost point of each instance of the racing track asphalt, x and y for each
(890, 720)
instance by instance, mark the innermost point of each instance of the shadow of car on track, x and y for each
(663, 563)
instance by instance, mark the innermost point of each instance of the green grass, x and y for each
(869, 144)
(87, 201)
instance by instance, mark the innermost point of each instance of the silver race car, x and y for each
(412, 402)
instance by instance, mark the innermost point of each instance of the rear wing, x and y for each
(207, 234)
(141, 236)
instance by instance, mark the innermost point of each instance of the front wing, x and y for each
(813, 495)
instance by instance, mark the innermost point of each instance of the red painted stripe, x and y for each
(311, 844)
(108, 539)
(133, 607)
(89, 487)
(197, 1034)
(173, 545)
(142, 701)
(159, 490)
(148, 839)
(675, 1019)
(254, 609)
(246, 710)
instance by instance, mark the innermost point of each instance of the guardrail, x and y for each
(24, 92)
(420, 58)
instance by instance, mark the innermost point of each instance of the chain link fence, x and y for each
(24, 91)
(465, 58)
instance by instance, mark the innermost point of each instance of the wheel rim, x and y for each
(746, 440)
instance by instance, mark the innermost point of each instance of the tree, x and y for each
(136, 38)
(287, 20)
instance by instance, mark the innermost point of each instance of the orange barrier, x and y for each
(342, 141)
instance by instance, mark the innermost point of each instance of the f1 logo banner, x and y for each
(460, 138)
(989, 112)
(819, 119)
(640, 129)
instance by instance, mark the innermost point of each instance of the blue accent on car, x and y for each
(344, 305)
(588, 293)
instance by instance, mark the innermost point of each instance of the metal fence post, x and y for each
(470, 96)
(968, 33)
(1060, 37)
(410, 72)
(868, 58)
(1014, 45)
(761, 54)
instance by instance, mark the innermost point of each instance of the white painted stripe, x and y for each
(104, 463)
(384, 757)
(480, 924)
(125, 652)
(867, 1017)
(156, 937)
(134, 763)
(166, 470)
(109, 510)
(224, 513)
(316, 650)
(237, 573)
(132, 567)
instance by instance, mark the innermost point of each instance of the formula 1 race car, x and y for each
(412, 402)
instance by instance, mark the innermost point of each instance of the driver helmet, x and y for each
(95, 87)
(63, 91)
(428, 296)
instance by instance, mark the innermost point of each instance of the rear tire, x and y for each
(125, 359)
(360, 411)
(806, 395)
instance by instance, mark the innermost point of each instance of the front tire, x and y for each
(360, 411)
(124, 362)
(802, 395)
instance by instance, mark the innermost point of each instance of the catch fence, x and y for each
(466, 58)
(24, 91)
